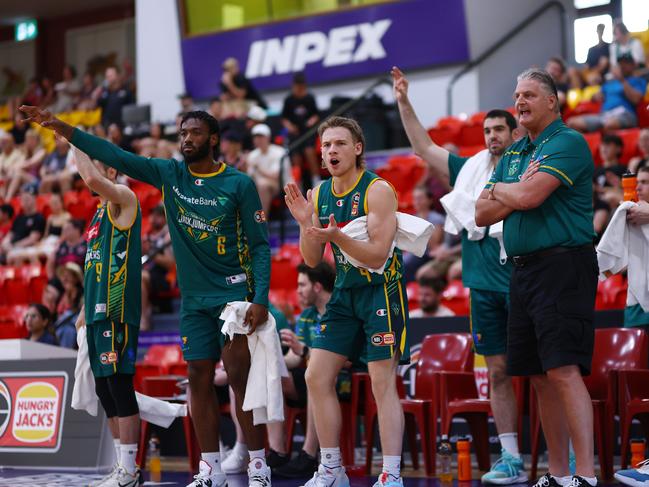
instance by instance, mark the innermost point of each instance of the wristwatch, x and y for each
(305, 351)
(491, 191)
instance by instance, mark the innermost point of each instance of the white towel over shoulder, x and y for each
(460, 203)
(413, 234)
(155, 411)
(625, 245)
(264, 387)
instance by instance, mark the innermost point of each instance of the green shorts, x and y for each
(367, 323)
(112, 347)
(200, 330)
(488, 317)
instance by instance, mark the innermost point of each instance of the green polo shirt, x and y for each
(635, 316)
(565, 218)
(481, 268)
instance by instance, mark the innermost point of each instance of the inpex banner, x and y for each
(31, 411)
(331, 47)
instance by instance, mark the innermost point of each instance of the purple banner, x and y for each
(332, 47)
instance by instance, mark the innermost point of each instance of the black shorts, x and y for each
(552, 302)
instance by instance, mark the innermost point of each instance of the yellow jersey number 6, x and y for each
(220, 245)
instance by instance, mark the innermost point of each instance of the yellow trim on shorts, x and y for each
(387, 306)
(402, 343)
(125, 337)
(112, 342)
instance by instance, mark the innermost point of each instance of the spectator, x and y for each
(430, 292)
(619, 95)
(601, 215)
(160, 261)
(52, 294)
(38, 320)
(299, 115)
(624, 44)
(49, 95)
(264, 164)
(116, 136)
(71, 248)
(255, 116)
(112, 97)
(19, 129)
(6, 217)
(215, 108)
(87, 99)
(28, 227)
(33, 94)
(186, 104)
(641, 161)
(235, 87)
(231, 152)
(314, 288)
(67, 91)
(610, 150)
(27, 173)
(52, 172)
(71, 277)
(557, 69)
(598, 54)
(11, 160)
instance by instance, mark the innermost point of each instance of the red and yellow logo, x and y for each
(35, 412)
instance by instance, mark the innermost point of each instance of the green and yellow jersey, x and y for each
(346, 207)
(113, 269)
(218, 229)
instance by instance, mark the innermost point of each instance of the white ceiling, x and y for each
(12, 11)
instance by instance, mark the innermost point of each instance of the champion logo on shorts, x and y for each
(381, 312)
(383, 339)
(100, 308)
(107, 334)
(108, 358)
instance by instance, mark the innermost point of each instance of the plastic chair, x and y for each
(611, 293)
(470, 150)
(633, 395)
(456, 297)
(630, 139)
(144, 370)
(472, 134)
(283, 273)
(292, 415)
(615, 349)
(163, 356)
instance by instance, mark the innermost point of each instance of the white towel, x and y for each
(413, 234)
(264, 387)
(625, 245)
(460, 203)
(155, 411)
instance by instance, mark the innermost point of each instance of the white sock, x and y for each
(330, 457)
(213, 459)
(118, 453)
(127, 457)
(509, 442)
(392, 465)
(240, 449)
(563, 481)
(591, 480)
(258, 457)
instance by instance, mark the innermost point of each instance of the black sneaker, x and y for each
(547, 481)
(302, 466)
(275, 460)
(578, 481)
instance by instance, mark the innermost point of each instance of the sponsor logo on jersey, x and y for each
(107, 334)
(356, 199)
(383, 339)
(513, 166)
(199, 182)
(347, 44)
(323, 327)
(340, 203)
(108, 358)
(197, 226)
(381, 312)
(93, 231)
(100, 308)
(260, 216)
(236, 279)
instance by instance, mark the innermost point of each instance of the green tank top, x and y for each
(347, 207)
(113, 270)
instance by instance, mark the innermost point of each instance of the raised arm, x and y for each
(381, 228)
(303, 211)
(138, 167)
(117, 194)
(433, 154)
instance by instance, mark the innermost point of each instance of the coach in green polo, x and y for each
(542, 188)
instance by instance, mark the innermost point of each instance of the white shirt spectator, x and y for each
(442, 312)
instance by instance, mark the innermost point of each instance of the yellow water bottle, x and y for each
(155, 468)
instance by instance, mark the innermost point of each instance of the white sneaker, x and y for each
(328, 477)
(106, 478)
(205, 478)
(124, 479)
(236, 462)
(258, 475)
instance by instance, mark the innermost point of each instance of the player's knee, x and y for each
(200, 373)
(383, 384)
(238, 378)
(105, 397)
(317, 381)
(498, 376)
(121, 388)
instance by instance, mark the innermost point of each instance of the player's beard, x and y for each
(201, 152)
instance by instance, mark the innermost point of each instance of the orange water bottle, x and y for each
(637, 452)
(463, 459)
(629, 183)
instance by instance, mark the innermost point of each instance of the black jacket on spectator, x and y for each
(251, 92)
(111, 103)
(25, 224)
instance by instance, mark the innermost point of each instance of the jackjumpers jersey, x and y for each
(218, 229)
(347, 207)
(113, 270)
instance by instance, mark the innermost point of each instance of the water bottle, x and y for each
(637, 452)
(629, 183)
(154, 459)
(463, 459)
(444, 454)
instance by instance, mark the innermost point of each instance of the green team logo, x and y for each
(513, 167)
(396, 309)
(93, 253)
(198, 227)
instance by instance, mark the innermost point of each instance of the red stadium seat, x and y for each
(643, 113)
(472, 134)
(593, 140)
(412, 291)
(456, 297)
(470, 150)
(283, 273)
(611, 293)
(630, 139)
(445, 135)
(163, 356)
